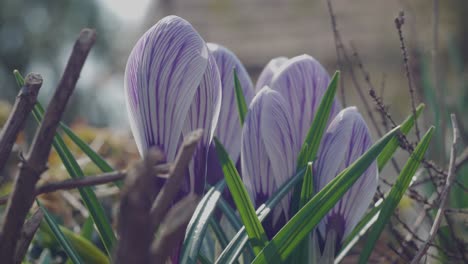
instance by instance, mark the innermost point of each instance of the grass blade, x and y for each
(301, 224)
(100, 162)
(63, 241)
(396, 193)
(314, 135)
(405, 128)
(254, 228)
(87, 194)
(236, 245)
(93, 156)
(197, 226)
(240, 99)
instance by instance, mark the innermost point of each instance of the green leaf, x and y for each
(236, 245)
(405, 128)
(254, 228)
(369, 219)
(87, 194)
(306, 193)
(198, 224)
(63, 241)
(361, 228)
(87, 228)
(87, 250)
(312, 141)
(219, 232)
(93, 156)
(301, 224)
(240, 99)
(307, 186)
(230, 214)
(396, 193)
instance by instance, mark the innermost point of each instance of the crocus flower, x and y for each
(173, 87)
(228, 130)
(275, 128)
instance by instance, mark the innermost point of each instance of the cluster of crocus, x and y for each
(176, 83)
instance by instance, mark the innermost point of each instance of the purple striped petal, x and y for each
(268, 72)
(228, 130)
(269, 149)
(345, 140)
(203, 113)
(162, 75)
(302, 81)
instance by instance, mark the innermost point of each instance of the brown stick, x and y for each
(399, 21)
(133, 221)
(32, 167)
(443, 196)
(94, 180)
(171, 187)
(172, 230)
(24, 103)
(27, 234)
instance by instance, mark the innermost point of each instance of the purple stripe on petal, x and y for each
(345, 140)
(302, 81)
(203, 113)
(269, 149)
(163, 72)
(268, 72)
(228, 130)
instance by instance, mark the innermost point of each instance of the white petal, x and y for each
(302, 81)
(346, 139)
(203, 113)
(268, 72)
(162, 75)
(228, 130)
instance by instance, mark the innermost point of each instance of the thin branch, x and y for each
(443, 196)
(170, 189)
(32, 167)
(27, 234)
(172, 230)
(104, 178)
(338, 47)
(399, 22)
(24, 103)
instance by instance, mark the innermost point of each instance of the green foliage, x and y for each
(301, 224)
(196, 229)
(63, 241)
(240, 99)
(237, 243)
(254, 228)
(396, 193)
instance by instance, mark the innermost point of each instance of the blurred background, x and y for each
(38, 36)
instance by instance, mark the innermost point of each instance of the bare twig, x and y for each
(23, 105)
(133, 222)
(171, 187)
(104, 178)
(172, 230)
(338, 47)
(32, 167)
(399, 21)
(443, 196)
(27, 234)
